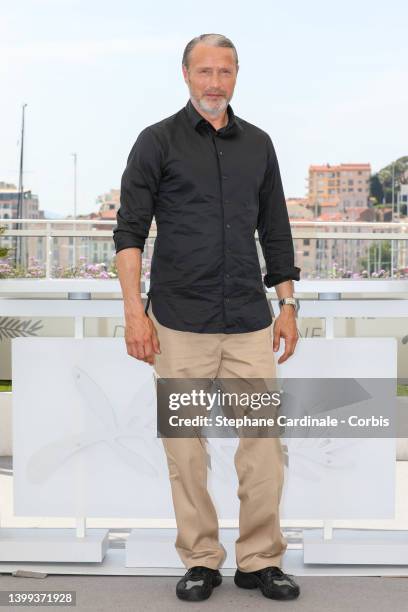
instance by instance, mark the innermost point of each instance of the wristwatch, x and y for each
(290, 300)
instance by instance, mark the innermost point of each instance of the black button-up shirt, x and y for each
(209, 190)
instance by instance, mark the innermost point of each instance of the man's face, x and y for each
(211, 77)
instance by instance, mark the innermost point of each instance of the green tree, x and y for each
(4, 251)
(376, 188)
(381, 182)
(380, 257)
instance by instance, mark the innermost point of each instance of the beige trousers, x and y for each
(258, 460)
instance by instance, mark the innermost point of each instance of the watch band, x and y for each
(289, 300)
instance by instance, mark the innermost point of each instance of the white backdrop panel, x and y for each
(84, 436)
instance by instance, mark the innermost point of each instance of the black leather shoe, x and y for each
(272, 581)
(197, 583)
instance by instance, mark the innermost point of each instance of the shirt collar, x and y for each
(197, 119)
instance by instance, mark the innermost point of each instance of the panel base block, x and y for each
(53, 545)
(353, 546)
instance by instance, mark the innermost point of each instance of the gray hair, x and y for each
(216, 40)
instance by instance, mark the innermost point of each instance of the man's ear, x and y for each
(185, 73)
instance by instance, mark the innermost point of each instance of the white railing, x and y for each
(401, 225)
(395, 232)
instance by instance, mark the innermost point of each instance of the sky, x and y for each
(327, 81)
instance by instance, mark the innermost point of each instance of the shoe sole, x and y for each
(253, 582)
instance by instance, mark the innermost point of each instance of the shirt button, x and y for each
(227, 276)
(227, 201)
(228, 225)
(220, 152)
(224, 176)
(227, 299)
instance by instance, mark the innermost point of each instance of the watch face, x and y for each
(292, 301)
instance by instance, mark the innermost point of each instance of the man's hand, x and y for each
(141, 338)
(285, 327)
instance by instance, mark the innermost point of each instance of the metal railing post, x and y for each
(48, 251)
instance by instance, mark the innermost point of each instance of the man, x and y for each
(211, 179)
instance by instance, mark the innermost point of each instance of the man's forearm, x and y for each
(129, 265)
(284, 289)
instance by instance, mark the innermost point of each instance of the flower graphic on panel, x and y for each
(307, 457)
(310, 456)
(108, 429)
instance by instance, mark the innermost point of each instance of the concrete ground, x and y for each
(137, 593)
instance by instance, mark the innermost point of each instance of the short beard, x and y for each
(211, 110)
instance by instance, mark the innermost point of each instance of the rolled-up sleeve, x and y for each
(138, 191)
(273, 226)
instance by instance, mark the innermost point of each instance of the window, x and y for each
(306, 241)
